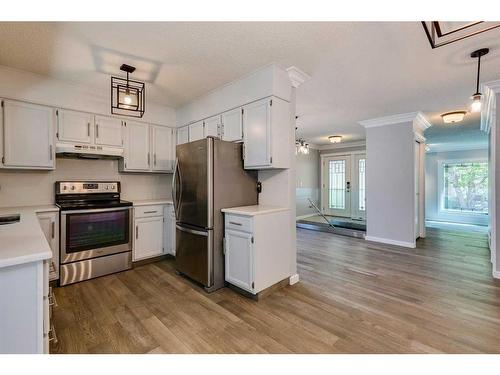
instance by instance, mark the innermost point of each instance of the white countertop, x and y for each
(24, 242)
(150, 202)
(254, 210)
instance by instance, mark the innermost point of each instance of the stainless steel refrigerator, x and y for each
(208, 176)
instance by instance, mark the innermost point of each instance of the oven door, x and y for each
(93, 233)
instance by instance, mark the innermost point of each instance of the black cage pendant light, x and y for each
(127, 96)
(477, 96)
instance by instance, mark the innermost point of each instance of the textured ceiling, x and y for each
(358, 70)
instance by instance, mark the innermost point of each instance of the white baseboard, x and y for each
(390, 242)
(294, 279)
(496, 274)
(304, 216)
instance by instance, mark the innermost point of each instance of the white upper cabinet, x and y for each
(108, 131)
(162, 147)
(232, 125)
(212, 126)
(196, 131)
(75, 126)
(28, 136)
(136, 156)
(183, 135)
(257, 130)
(267, 131)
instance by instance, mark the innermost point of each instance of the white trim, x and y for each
(297, 76)
(343, 153)
(294, 279)
(334, 146)
(394, 119)
(304, 216)
(390, 242)
(447, 147)
(496, 274)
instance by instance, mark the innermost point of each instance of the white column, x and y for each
(391, 201)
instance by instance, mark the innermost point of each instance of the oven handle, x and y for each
(97, 210)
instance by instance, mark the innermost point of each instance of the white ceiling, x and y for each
(359, 70)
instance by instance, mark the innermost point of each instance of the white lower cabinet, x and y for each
(154, 231)
(257, 254)
(49, 222)
(24, 314)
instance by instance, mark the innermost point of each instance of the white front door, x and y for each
(337, 186)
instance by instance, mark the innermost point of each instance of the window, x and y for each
(465, 187)
(337, 184)
(362, 192)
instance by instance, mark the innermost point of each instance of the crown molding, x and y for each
(418, 119)
(297, 76)
(447, 147)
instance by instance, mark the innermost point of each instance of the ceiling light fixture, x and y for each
(335, 138)
(301, 147)
(127, 96)
(477, 96)
(453, 117)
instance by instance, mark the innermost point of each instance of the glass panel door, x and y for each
(358, 188)
(337, 186)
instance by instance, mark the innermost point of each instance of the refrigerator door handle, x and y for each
(192, 231)
(174, 187)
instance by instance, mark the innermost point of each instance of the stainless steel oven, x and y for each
(96, 230)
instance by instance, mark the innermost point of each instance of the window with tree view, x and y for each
(465, 187)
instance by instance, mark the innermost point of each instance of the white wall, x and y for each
(26, 188)
(390, 189)
(432, 195)
(308, 180)
(37, 187)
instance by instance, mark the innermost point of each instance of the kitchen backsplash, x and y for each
(26, 188)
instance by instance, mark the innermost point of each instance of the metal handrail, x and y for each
(319, 212)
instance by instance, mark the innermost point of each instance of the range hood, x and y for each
(88, 151)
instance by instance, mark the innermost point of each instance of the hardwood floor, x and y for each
(354, 297)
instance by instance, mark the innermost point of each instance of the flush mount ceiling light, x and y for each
(127, 96)
(335, 138)
(301, 147)
(476, 97)
(441, 33)
(453, 117)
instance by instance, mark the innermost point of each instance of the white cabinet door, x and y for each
(148, 239)
(28, 135)
(169, 234)
(49, 222)
(212, 126)
(108, 131)
(196, 131)
(162, 143)
(183, 135)
(75, 126)
(239, 259)
(232, 125)
(257, 131)
(136, 155)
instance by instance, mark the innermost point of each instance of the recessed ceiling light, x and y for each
(453, 117)
(335, 138)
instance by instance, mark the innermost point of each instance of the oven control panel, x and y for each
(81, 187)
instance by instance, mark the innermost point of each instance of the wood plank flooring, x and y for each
(354, 297)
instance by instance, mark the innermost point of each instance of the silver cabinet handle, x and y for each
(154, 157)
(50, 151)
(235, 223)
(53, 229)
(148, 160)
(150, 212)
(97, 130)
(136, 232)
(88, 129)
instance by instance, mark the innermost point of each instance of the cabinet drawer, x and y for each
(237, 222)
(148, 211)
